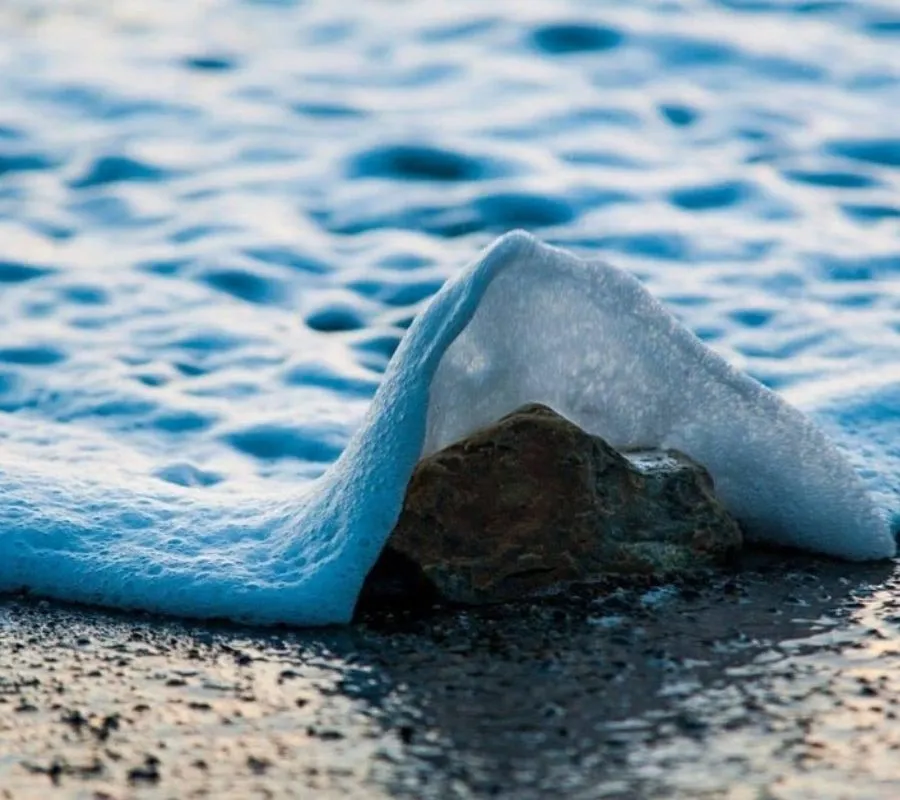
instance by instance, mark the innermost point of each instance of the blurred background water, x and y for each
(218, 217)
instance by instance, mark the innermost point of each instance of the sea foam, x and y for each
(525, 322)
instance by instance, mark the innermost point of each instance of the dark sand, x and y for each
(782, 681)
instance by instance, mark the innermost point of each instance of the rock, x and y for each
(533, 501)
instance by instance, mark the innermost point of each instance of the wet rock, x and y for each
(533, 501)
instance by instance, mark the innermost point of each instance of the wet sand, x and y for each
(781, 680)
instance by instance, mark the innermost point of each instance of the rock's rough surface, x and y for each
(533, 501)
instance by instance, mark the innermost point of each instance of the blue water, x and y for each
(218, 219)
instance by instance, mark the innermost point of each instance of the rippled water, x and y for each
(217, 218)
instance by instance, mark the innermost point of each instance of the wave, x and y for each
(525, 322)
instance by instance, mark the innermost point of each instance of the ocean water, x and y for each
(218, 219)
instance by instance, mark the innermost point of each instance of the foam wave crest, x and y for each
(525, 322)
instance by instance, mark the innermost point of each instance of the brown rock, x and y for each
(533, 501)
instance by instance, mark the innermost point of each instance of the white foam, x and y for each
(590, 341)
(526, 322)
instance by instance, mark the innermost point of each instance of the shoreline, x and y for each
(699, 690)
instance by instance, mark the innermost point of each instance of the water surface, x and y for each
(217, 219)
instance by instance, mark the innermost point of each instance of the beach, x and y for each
(221, 225)
(774, 681)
